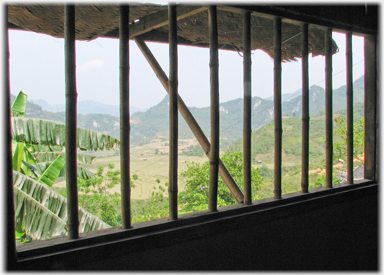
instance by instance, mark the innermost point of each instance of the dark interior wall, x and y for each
(335, 232)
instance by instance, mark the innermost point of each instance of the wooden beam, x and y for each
(173, 113)
(305, 110)
(370, 108)
(124, 118)
(160, 19)
(247, 128)
(215, 115)
(70, 121)
(328, 109)
(277, 105)
(349, 108)
(190, 120)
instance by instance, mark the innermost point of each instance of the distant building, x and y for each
(358, 173)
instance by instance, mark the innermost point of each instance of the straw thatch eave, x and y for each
(151, 23)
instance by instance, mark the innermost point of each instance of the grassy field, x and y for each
(150, 162)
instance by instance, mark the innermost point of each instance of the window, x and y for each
(314, 37)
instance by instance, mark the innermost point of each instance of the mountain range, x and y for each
(154, 122)
(85, 107)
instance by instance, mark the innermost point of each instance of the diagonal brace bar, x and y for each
(193, 125)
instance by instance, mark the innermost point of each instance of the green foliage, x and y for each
(156, 207)
(51, 173)
(263, 139)
(43, 132)
(19, 105)
(266, 173)
(340, 147)
(95, 197)
(194, 150)
(33, 216)
(320, 181)
(195, 196)
(41, 213)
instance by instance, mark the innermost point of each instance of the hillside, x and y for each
(293, 107)
(154, 123)
(85, 107)
(262, 146)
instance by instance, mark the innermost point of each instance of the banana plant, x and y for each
(23, 160)
(42, 213)
(19, 105)
(38, 160)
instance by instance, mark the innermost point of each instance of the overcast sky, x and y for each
(37, 69)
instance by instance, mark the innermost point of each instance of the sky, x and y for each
(37, 69)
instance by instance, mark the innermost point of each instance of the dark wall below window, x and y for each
(342, 236)
(333, 231)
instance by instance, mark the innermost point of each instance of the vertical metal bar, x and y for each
(124, 118)
(247, 130)
(305, 114)
(173, 111)
(370, 109)
(190, 120)
(277, 106)
(11, 255)
(215, 130)
(328, 109)
(70, 115)
(349, 109)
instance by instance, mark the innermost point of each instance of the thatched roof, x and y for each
(150, 21)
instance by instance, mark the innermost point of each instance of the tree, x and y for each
(340, 147)
(320, 181)
(96, 197)
(195, 196)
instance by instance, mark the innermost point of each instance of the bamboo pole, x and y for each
(173, 112)
(124, 117)
(247, 130)
(190, 120)
(11, 254)
(277, 105)
(215, 115)
(328, 109)
(71, 125)
(370, 108)
(349, 109)
(305, 114)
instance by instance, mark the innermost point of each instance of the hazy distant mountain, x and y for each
(285, 97)
(86, 107)
(154, 122)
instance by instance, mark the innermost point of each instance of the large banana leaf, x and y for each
(42, 213)
(81, 173)
(84, 173)
(21, 158)
(18, 106)
(39, 131)
(50, 156)
(50, 174)
(46, 148)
